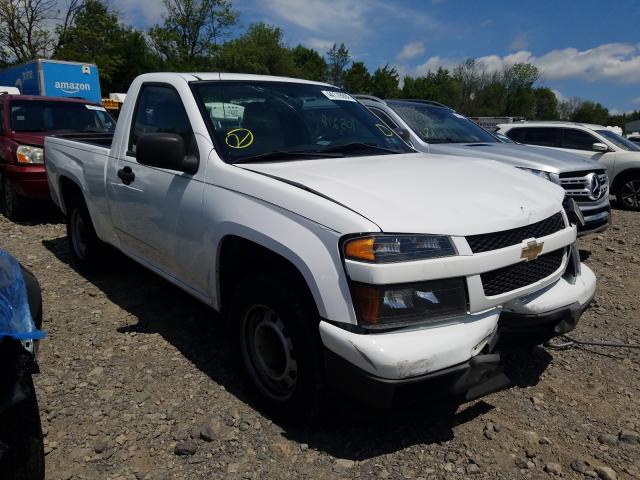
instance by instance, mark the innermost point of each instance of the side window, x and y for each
(545, 137)
(516, 134)
(160, 110)
(384, 117)
(577, 139)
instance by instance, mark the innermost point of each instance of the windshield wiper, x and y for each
(281, 155)
(348, 147)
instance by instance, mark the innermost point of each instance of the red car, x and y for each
(25, 122)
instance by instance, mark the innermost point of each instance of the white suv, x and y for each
(620, 156)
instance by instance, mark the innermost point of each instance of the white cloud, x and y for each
(319, 44)
(520, 42)
(411, 50)
(636, 101)
(146, 12)
(619, 62)
(559, 96)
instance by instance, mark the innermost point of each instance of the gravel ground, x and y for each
(136, 384)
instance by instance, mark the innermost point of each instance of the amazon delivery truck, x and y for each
(54, 78)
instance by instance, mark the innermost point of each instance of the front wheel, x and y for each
(628, 192)
(277, 346)
(11, 203)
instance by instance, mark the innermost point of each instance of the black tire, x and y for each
(87, 250)
(11, 203)
(628, 192)
(21, 441)
(275, 334)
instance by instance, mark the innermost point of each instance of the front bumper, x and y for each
(28, 181)
(552, 311)
(479, 376)
(597, 216)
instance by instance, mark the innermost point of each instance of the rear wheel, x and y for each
(11, 203)
(277, 345)
(628, 192)
(87, 250)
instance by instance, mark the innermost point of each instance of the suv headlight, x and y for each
(552, 177)
(385, 306)
(27, 155)
(397, 248)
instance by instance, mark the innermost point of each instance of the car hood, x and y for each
(30, 138)
(538, 158)
(419, 193)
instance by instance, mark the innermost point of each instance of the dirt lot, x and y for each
(133, 367)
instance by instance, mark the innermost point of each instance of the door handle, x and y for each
(126, 175)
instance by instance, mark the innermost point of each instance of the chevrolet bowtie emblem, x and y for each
(532, 250)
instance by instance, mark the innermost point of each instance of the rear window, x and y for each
(49, 116)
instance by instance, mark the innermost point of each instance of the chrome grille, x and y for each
(576, 185)
(492, 241)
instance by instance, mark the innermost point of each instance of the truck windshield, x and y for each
(435, 124)
(276, 121)
(619, 141)
(48, 116)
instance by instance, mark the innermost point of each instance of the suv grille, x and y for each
(578, 185)
(492, 241)
(521, 274)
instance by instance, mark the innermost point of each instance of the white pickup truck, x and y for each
(340, 257)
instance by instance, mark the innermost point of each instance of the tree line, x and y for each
(196, 35)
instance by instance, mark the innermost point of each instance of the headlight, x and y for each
(541, 173)
(397, 248)
(27, 155)
(384, 306)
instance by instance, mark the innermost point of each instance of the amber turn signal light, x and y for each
(360, 249)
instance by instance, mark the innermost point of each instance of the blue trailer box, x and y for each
(54, 78)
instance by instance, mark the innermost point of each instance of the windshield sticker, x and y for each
(341, 96)
(95, 107)
(239, 138)
(386, 131)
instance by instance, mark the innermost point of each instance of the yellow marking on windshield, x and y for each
(239, 138)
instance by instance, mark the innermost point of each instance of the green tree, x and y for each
(546, 104)
(384, 82)
(591, 112)
(357, 79)
(309, 63)
(259, 50)
(439, 87)
(191, 31)
(490, 100)
(338, 59)
(521, 76)
(96, 36)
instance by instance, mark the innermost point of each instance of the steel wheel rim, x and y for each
(78, 235)
(268, 352)
(630, 193)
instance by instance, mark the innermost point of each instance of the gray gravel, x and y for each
(136, 384)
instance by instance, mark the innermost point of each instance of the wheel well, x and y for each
(68, 190)
(623, 176)
(239, 257)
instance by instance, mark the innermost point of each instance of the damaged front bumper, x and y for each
(408, 366)
(552, 311)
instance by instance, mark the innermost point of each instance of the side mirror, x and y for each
(600, 147)
(165, 150)
(404, 134)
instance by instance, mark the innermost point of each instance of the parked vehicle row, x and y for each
(620, 156)
(340, 256)
(435, 128)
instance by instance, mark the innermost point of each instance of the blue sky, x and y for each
(587, 48)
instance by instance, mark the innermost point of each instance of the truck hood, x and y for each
(538, 158)
(420, 193)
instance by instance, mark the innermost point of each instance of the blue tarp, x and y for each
(15, 316)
